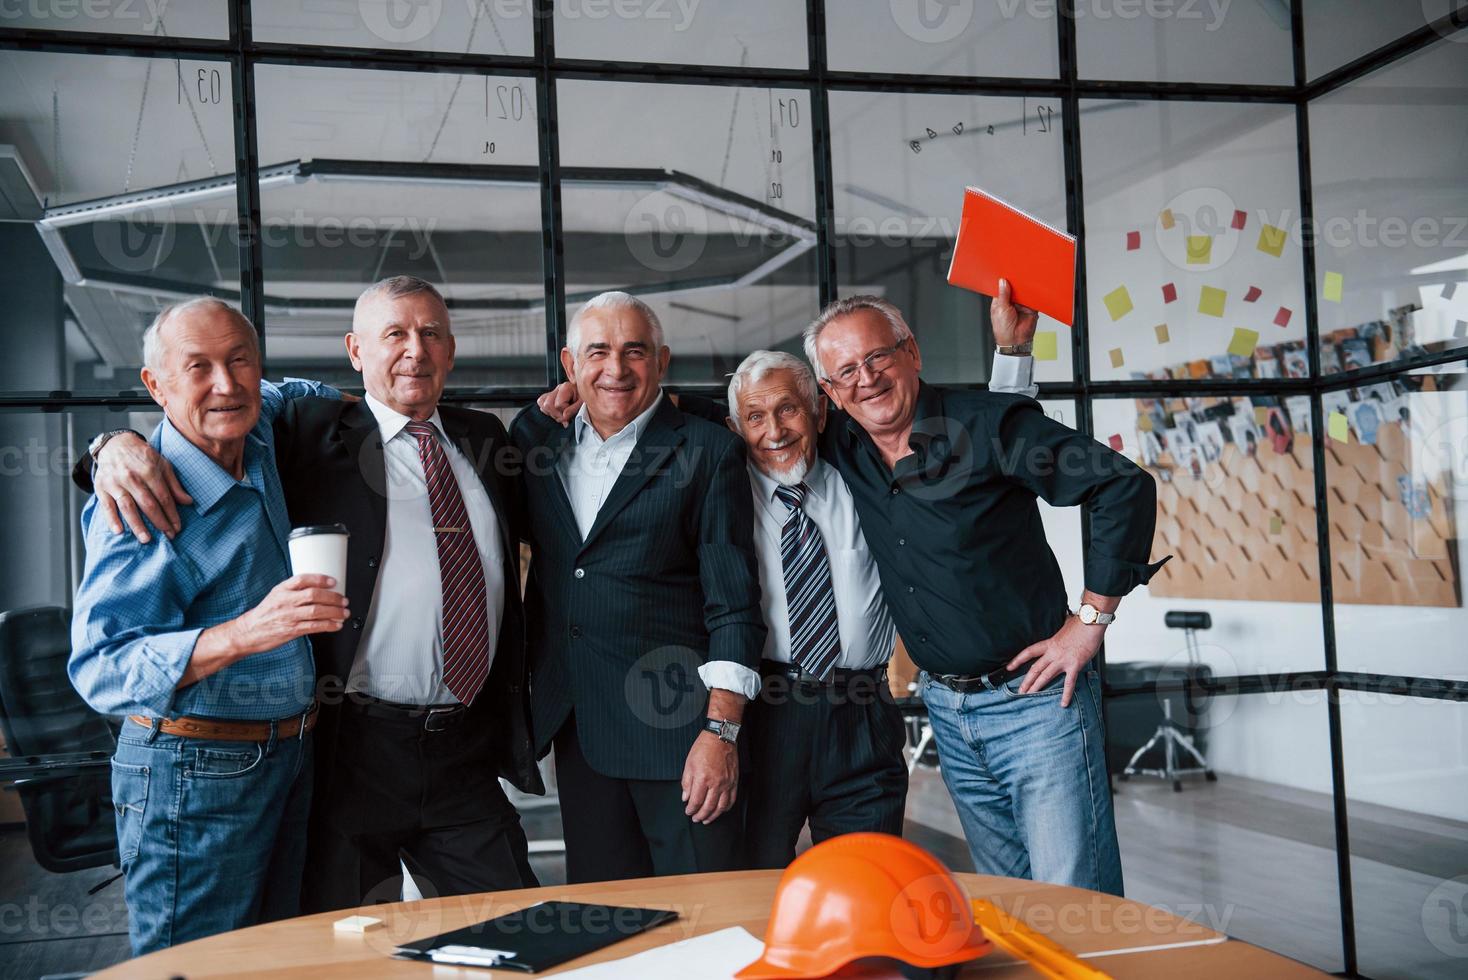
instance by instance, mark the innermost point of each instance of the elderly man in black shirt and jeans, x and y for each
(946, 485)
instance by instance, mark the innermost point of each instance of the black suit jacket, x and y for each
(666, 580)
(330, 458)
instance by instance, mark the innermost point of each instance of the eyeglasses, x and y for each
(877, 361)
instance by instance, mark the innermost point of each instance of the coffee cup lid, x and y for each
(301, 532)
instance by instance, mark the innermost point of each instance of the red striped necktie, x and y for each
(465, 617)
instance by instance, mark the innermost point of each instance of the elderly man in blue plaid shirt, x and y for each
(200, 641)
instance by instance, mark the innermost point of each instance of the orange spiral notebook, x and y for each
(997, 240)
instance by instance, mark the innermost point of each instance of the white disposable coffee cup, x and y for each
(320, 549)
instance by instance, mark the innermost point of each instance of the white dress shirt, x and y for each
(400, 656)
(1015, 374)
(590, 469)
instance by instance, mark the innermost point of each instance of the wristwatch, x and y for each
(1092, 616)
(1016, 350)
(728, 731)
(96, 444)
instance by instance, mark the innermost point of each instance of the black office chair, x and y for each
(59, 747)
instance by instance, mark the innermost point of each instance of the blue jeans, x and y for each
(1028, 778)
(211, 834)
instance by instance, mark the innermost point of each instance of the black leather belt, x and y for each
(980, 682)
(428, 717)
(840, 678)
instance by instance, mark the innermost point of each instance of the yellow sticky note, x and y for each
(1339, 428)
(1211, 300)
(1334, 284)
(1276, 524)
(1271, 240)
(1167, 219)
(1162, 334)
(1118, 302)
(1261, 415)
(1244, 342)
(1144, 422)
(1045, 346)
(1116, 359)
(1200, 249)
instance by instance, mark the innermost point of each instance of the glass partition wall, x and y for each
(1272, 317)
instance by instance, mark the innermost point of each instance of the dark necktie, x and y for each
(465, 616)
(815, 641)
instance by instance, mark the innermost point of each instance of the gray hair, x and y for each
(153, 341)
(754, 368)
(612, 300)
(391, 288)
(845, 307)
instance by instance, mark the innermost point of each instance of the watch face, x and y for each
(1088, 614)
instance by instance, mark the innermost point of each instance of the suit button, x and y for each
(356, 624)
(896, 491)
(372, 562)
(580, 573)
(575, 632)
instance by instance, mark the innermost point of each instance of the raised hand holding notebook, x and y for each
(997, 240)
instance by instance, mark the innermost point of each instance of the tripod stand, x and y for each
(1172, 739)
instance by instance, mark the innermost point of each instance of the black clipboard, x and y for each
(537, 937)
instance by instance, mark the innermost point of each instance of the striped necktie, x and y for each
(815, 642)
(461, 573)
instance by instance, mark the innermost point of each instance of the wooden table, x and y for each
(1080, 920)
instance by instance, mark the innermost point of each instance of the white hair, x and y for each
(754, 368)
(391, 288)
(612, 300)
(845, 307)
(152, 338)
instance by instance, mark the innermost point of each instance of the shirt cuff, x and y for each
(1117, 576)
(726, 675)
(1015, 374)
(154, 675)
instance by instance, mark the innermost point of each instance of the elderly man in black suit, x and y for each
(433, 666)
(643, 607)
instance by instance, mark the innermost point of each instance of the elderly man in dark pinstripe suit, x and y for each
(642, 602)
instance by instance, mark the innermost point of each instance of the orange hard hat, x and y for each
(866, 895)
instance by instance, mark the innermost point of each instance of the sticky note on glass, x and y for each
(1338, 427)
(1169, 292)
(1211, 300)
(1200, 249)
(1240, 218)
(1271, 240)
(1114, 442)
(1116, 359)
(1045, 347)
(1261, 415)
(1282, 318)
(1334, 284)
(1254, 293)
(1133, 240)
(1167, 219)
(1162, 334)
(1144, 422)
(1118, 302)
(1276, 524)
(1244, 342)
(1460, 330)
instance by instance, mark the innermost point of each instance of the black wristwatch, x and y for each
(728, 731)
(96, 444)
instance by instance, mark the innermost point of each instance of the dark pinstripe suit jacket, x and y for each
(665, 581)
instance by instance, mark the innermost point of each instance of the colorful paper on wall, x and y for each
(1282, 318)
(1211, 301)
(1200, 249)
(1133, 240)
(1046, 348)
(1271, 240)
(1244, 342)
(1240, 218)
(1114, 442)
(1338, 427)
(1254, 293)
(1167, 219)
(1116, 357)
(1162, 335)
(1334, 286)
(1169, 292)
(1118, 302)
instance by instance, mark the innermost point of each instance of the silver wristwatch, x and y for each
(1092, 616)
(101, 440)
(1016, 350)
(728, 731)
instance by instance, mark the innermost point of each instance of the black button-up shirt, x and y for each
(956, 531)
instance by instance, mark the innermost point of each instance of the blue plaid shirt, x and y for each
(141, 607)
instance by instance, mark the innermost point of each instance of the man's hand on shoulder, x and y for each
(133, 481)
(561, 403)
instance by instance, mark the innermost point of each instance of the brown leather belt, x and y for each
(217, 729)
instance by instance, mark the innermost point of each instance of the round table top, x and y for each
(1137, 940)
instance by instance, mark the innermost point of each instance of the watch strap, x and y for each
(1015, 350)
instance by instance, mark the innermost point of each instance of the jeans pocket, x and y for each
(129, 800)
(1011, 688)
(226, 763)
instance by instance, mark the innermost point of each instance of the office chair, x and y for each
(1171, 737)
(60, 748)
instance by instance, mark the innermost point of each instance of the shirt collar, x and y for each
(206, 480)
(391, 422)
(633, 429)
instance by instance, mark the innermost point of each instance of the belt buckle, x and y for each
(451, 713)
